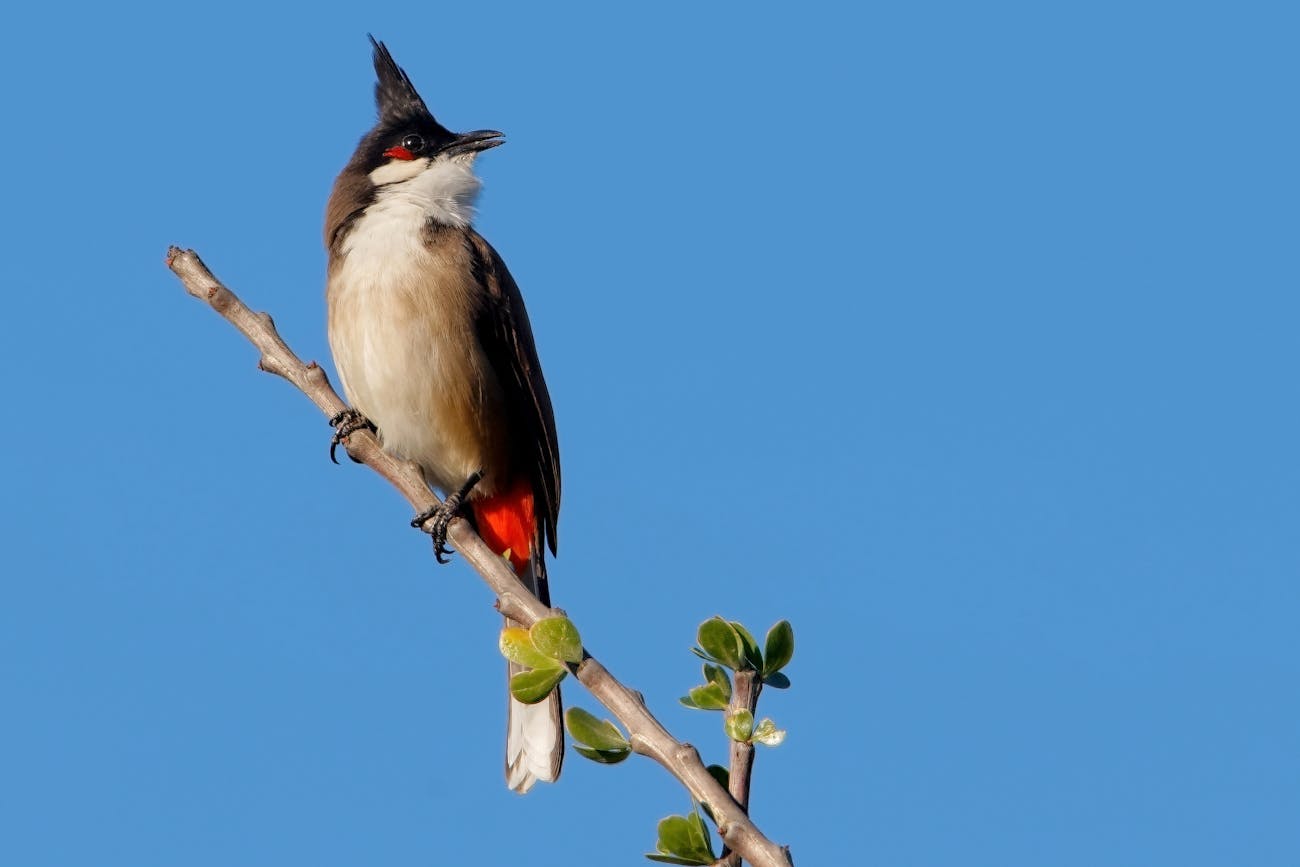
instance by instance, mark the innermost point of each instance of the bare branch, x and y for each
(648, 736)
(744, 696)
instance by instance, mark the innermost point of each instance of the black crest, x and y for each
(395, 95)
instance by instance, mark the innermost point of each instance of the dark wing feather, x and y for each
(507, 340)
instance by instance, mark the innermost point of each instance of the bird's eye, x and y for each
(413, 143)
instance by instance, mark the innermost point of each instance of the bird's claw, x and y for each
(439, 518)
(346, 423)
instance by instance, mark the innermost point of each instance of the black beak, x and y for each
(473, 142)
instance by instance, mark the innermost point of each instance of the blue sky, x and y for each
(964, 337)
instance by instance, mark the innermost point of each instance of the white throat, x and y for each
(442, 190)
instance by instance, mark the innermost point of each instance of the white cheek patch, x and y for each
(395, 171)
(439, 189)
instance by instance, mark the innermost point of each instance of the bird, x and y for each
(434, 349)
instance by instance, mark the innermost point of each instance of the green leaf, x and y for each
(702, 655)
(767, 734)
(675, 836)
(530, 687)
(683, 840)
(517, 647)
(777, 681)
(779, 648)
(739, 725)
(720, 642)
(599, 734)
(707, 697)
(748, 647)
(718, 675)
(669, 859)
(715, 694)
(605, 757)
(700, 835)
(558, 638)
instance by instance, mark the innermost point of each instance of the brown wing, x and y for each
(507, 340)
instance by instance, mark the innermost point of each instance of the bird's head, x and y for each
(407, 140)
(407, 160)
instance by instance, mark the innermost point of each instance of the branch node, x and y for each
(511, 605)
(686, 752)
(317, 377)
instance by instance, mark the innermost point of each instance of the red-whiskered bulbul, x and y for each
(433, 346)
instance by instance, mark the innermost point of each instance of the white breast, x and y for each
(401, 330)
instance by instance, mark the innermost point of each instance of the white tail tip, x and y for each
(534, 743)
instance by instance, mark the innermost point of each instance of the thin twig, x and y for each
(647, 735)
(744, 696)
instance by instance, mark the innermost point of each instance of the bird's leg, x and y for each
(442, 515)
(346, 423)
